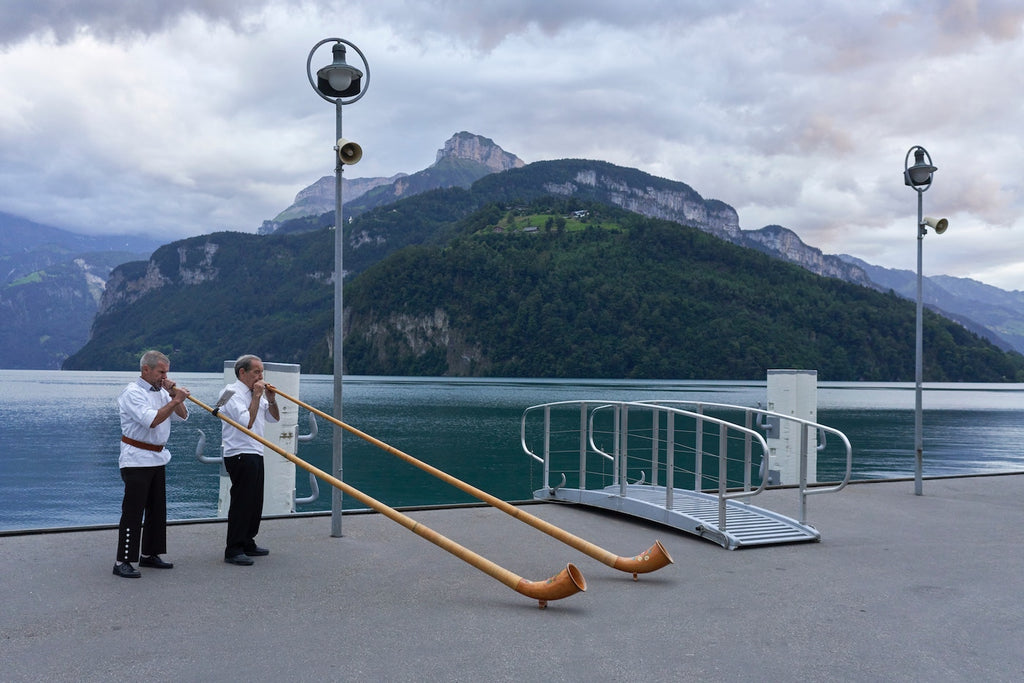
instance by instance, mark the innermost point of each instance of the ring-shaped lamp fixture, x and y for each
(339, 82)
(918, 176)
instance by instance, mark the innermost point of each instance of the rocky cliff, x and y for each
(477, 148)
(464, 159)
(783, 243)
(187, 262)
(678, 202)
(652, 197)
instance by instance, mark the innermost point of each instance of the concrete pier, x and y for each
(901, 587)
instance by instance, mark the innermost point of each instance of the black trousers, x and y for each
(145, 497)
(246, 508)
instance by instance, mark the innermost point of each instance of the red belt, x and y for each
(142, 444)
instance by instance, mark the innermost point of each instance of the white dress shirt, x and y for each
(233, 441)
(137, 406)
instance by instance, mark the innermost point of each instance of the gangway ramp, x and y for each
(693, 466)
(693, 512)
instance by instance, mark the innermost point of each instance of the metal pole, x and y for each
(805, 443)
(623, 449)
(337, 98)
(336, 496)
(918, 362)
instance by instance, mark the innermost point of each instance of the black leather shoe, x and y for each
(154, 561)
(239, 559)
(126, 571)
(257, 551)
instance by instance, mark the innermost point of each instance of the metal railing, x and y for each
(679, 445)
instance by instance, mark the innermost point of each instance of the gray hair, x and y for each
(244, 363)
(151, 359)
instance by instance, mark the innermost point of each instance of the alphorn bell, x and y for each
(650, 560)
(567, 582)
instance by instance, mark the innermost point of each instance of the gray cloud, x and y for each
(177, 118)
(116, 19)
(485, 25)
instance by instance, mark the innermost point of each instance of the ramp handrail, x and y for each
(756, 415)
(587, 446)
(694, 411)
(818, 427)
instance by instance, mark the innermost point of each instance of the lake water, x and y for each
(59, 436)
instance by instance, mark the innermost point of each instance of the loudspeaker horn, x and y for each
(349, 152)
(939, 225)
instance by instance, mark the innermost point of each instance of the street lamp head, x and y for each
(919, 176)
(339, 83)
(339, 79)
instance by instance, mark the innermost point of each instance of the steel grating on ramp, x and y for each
(693, 512)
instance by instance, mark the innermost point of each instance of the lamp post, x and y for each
(340, 84)
(919, 178)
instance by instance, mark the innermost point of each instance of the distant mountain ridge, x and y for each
(549, 269)
(971, 302)
(28, 246)
(51, 284)
(783, 243)
(657, 198)
(506, 279)
(1002, 322)
(464, 159)
(318, 198)
(994, 313)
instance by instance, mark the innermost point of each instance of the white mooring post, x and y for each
(795, 393)
(279, 482)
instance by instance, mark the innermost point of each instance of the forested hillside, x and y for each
(631, 297)
(550, 287)
(226, 294)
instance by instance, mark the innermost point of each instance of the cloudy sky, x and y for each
(180, 117)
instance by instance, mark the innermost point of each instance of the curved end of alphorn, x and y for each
(652, 559)
(567, 582)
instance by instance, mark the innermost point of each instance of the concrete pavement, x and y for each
(901, 587)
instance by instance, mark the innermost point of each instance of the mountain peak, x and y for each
(464, 145)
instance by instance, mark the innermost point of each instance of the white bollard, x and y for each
(279, 482)
(795, 393)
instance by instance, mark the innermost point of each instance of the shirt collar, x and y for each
(146, 385)
(242, 389)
